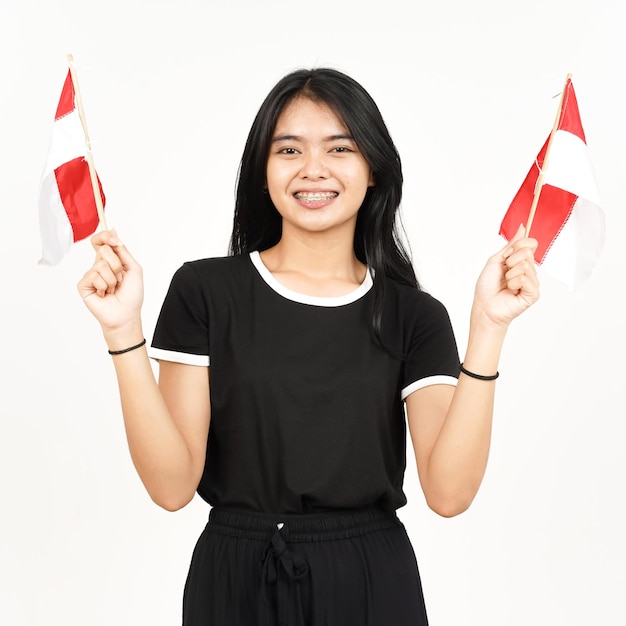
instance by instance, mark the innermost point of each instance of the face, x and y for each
(316, 176)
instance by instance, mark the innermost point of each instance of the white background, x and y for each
(170, 89)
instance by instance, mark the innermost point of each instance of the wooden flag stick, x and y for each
(92, 168)
(544, 165)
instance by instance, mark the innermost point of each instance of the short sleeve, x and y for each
(182, 330)
(432, 357)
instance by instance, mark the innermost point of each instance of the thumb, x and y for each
(122, 252)
(519, 234)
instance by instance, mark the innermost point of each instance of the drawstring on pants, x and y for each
(280, 584)
(280, 566)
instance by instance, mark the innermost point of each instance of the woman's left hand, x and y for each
(508, 285)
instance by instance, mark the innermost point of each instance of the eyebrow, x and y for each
(340, 136)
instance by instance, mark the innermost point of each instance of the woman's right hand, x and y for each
(112, 289)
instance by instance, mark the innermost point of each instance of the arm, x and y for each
(166, 424)
(451, 427)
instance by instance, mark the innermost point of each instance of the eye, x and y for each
(287, 151)
(342, 149)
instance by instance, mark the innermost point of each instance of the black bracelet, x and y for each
(114, 352)
(478, 376)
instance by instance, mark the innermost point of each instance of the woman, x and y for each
(302, 350)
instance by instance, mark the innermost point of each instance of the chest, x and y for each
(310, 358)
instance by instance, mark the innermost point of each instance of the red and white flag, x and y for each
(568, 220)
(67, 206)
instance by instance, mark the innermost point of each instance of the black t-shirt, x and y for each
(307, 409)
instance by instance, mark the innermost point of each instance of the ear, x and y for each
(372, 180)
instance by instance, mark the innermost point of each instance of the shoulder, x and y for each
(414, 301)
(416, 318)
(216, 265)
(428, 344)
(213, 271)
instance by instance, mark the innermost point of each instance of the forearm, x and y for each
(452, 432)
(167, 443)
(459, 457)
(157, 447)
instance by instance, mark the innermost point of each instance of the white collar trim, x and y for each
(279, 288)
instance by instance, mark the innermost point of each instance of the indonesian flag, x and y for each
(67, 206)
(569, 220)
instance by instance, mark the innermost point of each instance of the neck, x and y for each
(315, 265)
(317, 257)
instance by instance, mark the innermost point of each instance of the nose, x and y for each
(314, 166)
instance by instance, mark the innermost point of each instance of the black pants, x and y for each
(353, 568)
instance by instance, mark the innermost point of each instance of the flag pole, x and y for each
(92, 169)
(544, 165)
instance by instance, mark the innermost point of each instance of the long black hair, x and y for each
(378, 243)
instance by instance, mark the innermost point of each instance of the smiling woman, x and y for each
(287, 371)
(317, 180)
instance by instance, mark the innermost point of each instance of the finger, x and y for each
(521, 231)
(525, 242)
(108, 273)
(103, 278)
(100, 285)
(111, 239)
(527, 287)
(112, 258)
(105, 237)
(92, 283)
(523, 268)
(508, 248)
(109, 247)
(108, 267)
(127, 259)
(522, 250)
(523, 279)
(524, 254)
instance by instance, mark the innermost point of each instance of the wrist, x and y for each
(484, 345)
(135, 346)
(122, 338)
(476, 376)
(482, 324)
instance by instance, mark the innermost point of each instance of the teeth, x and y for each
(316, 197)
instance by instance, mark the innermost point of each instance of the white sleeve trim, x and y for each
(427, 382)
(179, 357)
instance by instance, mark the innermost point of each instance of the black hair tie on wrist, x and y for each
(478, 376)
(114, 352)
